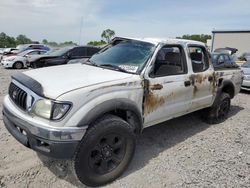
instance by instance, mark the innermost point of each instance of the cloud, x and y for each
(60, 20)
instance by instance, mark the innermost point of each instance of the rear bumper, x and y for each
(55, 142)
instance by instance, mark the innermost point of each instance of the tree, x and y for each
(6, 41)
(201, 38)
(45, 41)
(97, 43)
(107, 35)
(22, 39)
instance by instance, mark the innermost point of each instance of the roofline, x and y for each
(231, 31)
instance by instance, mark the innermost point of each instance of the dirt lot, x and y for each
(184, 152)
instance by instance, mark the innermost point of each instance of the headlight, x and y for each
(59, 110)
(50, 110)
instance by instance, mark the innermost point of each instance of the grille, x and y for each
(18, 96)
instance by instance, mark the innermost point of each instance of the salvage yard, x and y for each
(183, 152)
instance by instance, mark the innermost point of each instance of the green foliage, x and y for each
(97, 43)
(22, 39)
(108, 34)
(55, 44)
(201, 38)
(7, 41)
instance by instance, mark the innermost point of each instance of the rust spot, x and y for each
(152, 102)
(197, 79)
(156, 87)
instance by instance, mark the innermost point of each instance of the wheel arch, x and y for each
(123, 108)
(228, 87)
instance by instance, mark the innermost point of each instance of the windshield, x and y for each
(247, 64)
(58, 52)
(128, 55)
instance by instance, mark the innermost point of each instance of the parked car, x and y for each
(245, 57)
(20, 60)
(223, 60)
(7, 52)
(91, 112)
(25, 47)
(63, 55)
(246, 80)
(74, 61)
(227, 50)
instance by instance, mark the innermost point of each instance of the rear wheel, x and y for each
(219, 111)
(18, 65)
(105, 151)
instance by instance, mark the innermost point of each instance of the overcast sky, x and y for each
(60, 20)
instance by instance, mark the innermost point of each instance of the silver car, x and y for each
(246, 80)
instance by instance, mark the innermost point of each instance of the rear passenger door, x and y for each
(169, 88)
(202, 79)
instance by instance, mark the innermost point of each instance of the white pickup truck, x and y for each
(91, 112)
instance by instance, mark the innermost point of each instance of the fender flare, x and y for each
(111, 105)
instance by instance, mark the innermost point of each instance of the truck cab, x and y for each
(90, 113)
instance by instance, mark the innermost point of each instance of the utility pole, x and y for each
(80, 35)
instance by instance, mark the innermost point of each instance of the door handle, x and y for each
(187, 83)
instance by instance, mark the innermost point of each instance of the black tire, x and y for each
(18, 65)
(105, 151)
(219, 111)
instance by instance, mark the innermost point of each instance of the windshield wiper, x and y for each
(114, 67)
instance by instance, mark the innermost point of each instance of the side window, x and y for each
(78, 52)
(33, 53)
(221, 59)
(170, 60)
(199, 58)
(92, 51)
(226, 57)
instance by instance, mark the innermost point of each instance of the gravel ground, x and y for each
(183, 152)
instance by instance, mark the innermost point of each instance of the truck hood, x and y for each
(58, 80)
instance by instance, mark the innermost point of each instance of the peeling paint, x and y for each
(153, 101)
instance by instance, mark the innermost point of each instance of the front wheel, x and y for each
(219, 111)
(105, 151)
(18, 65)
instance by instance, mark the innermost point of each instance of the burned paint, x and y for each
(153, 101)
(156, 87)
(197, 79)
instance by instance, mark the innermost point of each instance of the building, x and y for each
(239, 39)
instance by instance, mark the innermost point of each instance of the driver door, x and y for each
(169, 91)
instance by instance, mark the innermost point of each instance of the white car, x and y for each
(20, 60)
(246, 80)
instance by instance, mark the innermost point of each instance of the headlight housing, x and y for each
(52, 110)
(247, 77)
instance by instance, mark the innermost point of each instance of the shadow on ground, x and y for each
(150, 144)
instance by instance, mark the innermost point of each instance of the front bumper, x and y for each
(245, 85)
(54, 142)
(7, 64)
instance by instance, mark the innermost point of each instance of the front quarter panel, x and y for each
(86, 99)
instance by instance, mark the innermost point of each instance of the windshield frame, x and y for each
(116, 42)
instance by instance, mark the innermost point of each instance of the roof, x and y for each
(231, 31)
(157, 41)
